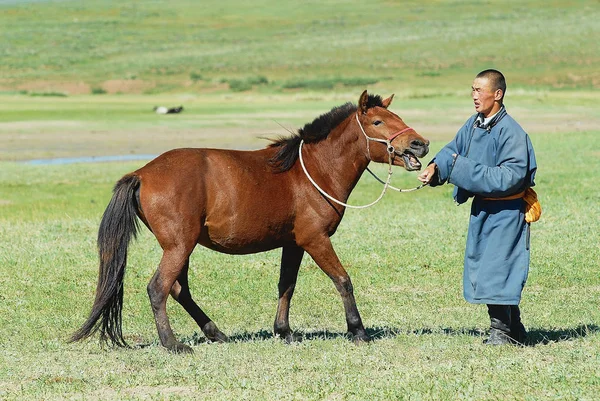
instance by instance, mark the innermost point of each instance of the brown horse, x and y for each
(241, 202)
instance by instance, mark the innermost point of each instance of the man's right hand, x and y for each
(427, 174)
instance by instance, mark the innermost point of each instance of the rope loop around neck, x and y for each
(331, 198)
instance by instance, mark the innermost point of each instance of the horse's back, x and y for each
(228, 200)
(182, 169)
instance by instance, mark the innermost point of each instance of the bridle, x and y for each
(386, 184)
(388, 142)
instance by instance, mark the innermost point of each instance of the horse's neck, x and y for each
(340, 160)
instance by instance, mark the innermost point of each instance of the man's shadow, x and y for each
(536, 336)
(543, 337)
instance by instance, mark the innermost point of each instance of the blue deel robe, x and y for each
(495, 162)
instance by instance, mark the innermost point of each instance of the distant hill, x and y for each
(105, 46)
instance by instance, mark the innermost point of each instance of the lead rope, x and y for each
(390, 150)
(331, 198)
(394, 188)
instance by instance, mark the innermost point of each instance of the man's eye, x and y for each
(377, 122)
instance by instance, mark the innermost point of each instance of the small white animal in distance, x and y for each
(165, 110)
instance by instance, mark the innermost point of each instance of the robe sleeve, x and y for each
(506, 178)
(444, 159)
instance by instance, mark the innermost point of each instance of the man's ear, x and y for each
(498, 94)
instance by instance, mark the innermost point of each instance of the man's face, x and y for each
(484, 97)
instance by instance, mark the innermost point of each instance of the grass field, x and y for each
(404, 255)
(147, 47)
(405, 258)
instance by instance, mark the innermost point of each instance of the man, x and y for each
(491, 159)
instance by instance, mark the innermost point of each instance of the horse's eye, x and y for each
(377, 122)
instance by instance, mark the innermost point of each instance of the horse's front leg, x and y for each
(290, 263)
(321, 250)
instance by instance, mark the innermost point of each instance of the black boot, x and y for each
(500, 324)
(517, 330)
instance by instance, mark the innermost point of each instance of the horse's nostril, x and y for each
(417, 143)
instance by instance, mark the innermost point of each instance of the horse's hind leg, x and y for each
(290, 263)
(321, 250)
(181, 292)
(171, 265)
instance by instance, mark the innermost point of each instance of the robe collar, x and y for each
(488, 123)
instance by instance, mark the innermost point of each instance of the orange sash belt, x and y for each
(533, 209)
(509, 197)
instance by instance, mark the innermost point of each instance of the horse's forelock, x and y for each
(374, 101)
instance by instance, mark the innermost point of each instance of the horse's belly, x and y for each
(243, 236)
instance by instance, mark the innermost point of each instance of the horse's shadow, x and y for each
(536, 336)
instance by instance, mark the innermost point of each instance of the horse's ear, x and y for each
(362, 102)
(388, 101)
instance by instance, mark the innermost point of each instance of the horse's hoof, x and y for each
(361, 338)
(212, 332)
(180, 348)
(219, 337)
(291, 337)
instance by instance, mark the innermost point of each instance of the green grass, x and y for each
(328, 83)
(93, 125)
(424, 45)
(404, 256)
(246, 70)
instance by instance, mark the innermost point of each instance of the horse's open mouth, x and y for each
(411, 162)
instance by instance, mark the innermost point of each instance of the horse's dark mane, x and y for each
(319, 129)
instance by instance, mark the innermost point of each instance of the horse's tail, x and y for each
(119, 224)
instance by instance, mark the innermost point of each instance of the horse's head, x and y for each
(384, 128)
